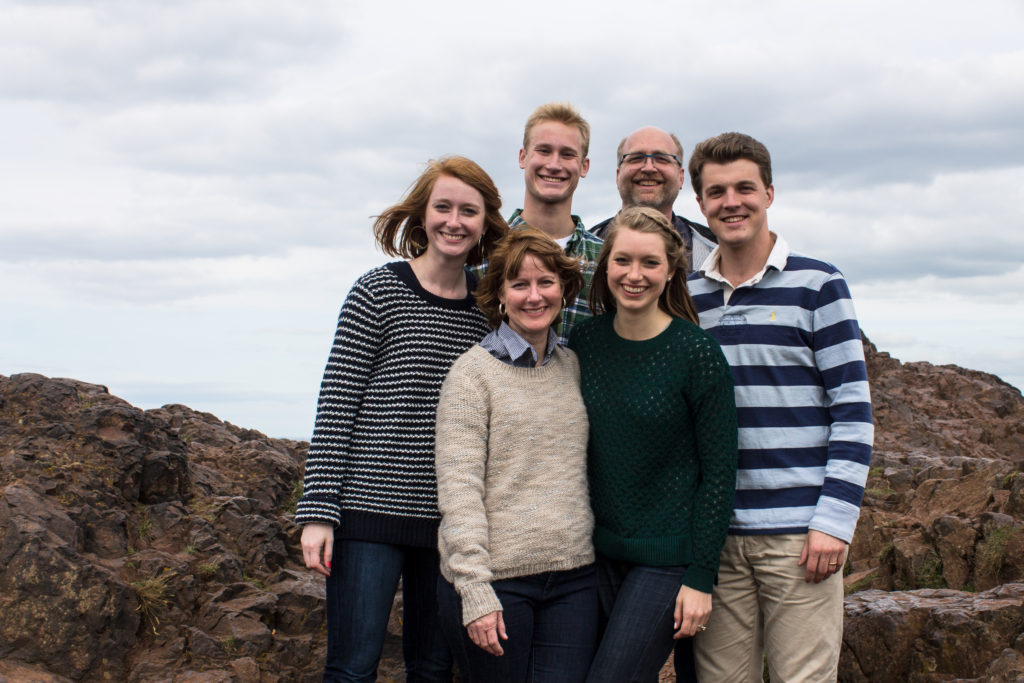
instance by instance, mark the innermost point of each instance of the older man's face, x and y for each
(650, 183)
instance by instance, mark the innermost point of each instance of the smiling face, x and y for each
(454, 219)
(638, 270)
(533, 300)
(650, 183)
(735, 202)
(553, 161)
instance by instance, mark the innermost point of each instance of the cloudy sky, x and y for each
(186, 188)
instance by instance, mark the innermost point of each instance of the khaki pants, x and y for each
(763, 605)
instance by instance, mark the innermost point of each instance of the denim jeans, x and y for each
(637, 613)
(360, 592)
(551, 621)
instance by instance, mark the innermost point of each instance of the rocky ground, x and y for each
(160, 545)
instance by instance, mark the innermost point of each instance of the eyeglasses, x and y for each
(659, 159)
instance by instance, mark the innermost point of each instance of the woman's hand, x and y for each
(318, 546)
(693, 608)
(486, 631)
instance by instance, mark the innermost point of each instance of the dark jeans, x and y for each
(637, 612)
(551, 621)
(360, 592)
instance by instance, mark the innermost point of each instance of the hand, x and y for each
(693, 608)
(486, 631)
(318, 546)
(823, 555)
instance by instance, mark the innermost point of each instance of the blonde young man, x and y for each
(788, 329)
(649, 172)
(556, 141)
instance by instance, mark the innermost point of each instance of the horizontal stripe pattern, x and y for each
(372, 451)
(803, 401)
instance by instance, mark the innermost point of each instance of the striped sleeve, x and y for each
(346, 377)
(839, 355)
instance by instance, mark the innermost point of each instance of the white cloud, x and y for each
(188, 187)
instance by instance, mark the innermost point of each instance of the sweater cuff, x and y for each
(699, 579)
(478, 599)
(318, 510)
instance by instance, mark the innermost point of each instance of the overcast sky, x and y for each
(186, 188)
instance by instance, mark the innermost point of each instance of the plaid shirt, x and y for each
(584, 247)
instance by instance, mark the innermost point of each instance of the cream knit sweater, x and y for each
(511, 452)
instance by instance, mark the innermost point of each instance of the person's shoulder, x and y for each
(694, 342)
(471, 364)
(802, 262)
(601, 228)
(382, 274)
(587, 327)
(590, 238)
(695, 227)
(690, 333)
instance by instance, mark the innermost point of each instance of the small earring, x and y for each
(501, 309)
(563, 302)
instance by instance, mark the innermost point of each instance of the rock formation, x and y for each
(147, 545)
(160, 545)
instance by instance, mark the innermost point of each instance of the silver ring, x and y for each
(702, 627)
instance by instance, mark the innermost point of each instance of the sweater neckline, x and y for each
(540, 373)
(404, 272)
(642, 344)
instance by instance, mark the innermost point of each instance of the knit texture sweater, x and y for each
(511, 474)
(370, 466)
(662, 453)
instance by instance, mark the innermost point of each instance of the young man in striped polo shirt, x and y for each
(787, 326)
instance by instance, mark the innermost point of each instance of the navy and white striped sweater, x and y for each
(370, 466)
(802, 397)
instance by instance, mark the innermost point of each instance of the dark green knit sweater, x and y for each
(662, 453)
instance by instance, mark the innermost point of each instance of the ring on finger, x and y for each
(702, 627)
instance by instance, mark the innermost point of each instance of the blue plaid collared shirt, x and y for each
(584, 247)
(509, 347)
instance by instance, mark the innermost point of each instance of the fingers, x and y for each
(317, 547)
(693, 609)
(501, 627)
(486, 631)
(823, 556)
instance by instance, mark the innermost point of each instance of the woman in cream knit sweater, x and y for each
(518, 591)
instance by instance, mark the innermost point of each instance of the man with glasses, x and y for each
(649, 172)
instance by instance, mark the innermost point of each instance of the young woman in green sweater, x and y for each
(662, 451)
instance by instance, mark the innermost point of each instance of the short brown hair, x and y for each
(675, 298)
(562, 112)
(399, 229)
(727, 147)
(506, 260)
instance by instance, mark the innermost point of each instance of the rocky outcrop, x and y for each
(942, 528)
(160, 545)
(934, 635)
(147, 545)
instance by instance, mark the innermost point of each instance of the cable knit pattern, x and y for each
(370, 466)
(511, 474)
(662, 454)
